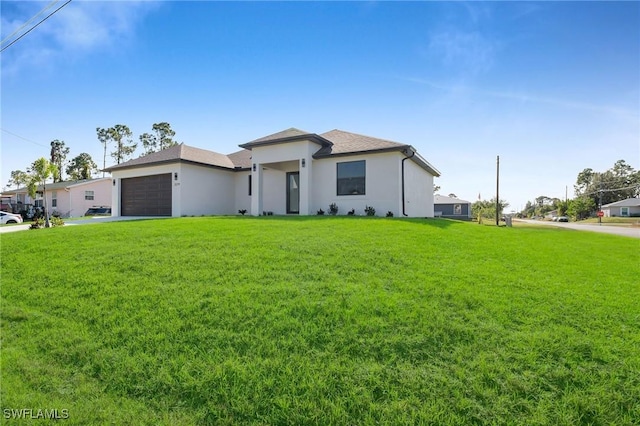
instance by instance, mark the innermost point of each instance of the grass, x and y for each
(324, 320)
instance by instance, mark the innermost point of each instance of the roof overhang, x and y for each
(312, 137)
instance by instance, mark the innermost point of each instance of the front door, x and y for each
(293, 192)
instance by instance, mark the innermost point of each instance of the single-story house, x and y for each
(625, 208)
(452, 208)
(289, 172)
(67, 199)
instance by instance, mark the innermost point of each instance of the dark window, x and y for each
(88, 195)
(351, 178)
(249, 184)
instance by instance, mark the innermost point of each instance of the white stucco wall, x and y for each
(273, 184)
(241, 191)
(382, 185)
(418, 191)
(205, 190)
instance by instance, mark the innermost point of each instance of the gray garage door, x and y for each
(146, 196)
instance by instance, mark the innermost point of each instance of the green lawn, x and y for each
(321, 320)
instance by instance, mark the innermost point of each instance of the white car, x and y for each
(9, 218)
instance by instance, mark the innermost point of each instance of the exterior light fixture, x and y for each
(254, 167)
(114, 182)
(175, 176)
(304, 162)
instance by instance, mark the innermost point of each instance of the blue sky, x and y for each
(551, 87)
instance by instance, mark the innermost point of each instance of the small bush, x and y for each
(370, 211)
(320, 212)
(351, 212)
(242, 211)
(37, 224)
(40, 223)
(389, 213)
(333, 209)
(56, 221)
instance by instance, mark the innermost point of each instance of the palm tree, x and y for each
(41, 170)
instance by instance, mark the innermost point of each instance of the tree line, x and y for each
(83, 166)
(592, 190)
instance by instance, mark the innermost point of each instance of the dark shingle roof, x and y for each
(289, 135)
(180, 152)
(241, 159)
(347, 143)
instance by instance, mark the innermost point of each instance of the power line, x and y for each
(35, 26)
(24, 139)
(28, 21)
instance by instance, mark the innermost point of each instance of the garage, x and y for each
(146, 196)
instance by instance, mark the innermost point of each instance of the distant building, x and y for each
(625, 208)
(451, 208)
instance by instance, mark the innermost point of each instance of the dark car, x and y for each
(98, 211)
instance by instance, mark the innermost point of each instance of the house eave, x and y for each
(308, 137)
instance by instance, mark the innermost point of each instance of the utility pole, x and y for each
(498, 191)
(600, 203)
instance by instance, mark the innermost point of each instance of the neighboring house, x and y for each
(551, 214)
(68, 199)
(290, 172)
(452, 208)
(625, 208)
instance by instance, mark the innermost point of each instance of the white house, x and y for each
(67, 199)
(624, 208)
(290, 172)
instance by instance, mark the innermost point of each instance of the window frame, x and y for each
(89, 195)
(363, 177)
(54, 199)
(624, 211)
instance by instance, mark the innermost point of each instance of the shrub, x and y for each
(37, 224)
(333, 209)
(242, 211)
(370, 211)
(389, 213)
(56, 221)
(320, 212)
(351, 212)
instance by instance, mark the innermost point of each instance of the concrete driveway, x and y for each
(84, 221)
(625, 231)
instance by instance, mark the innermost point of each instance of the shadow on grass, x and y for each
(435, 222)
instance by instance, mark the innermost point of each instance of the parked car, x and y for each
(10, 218)
(563, 219)
(98, 211)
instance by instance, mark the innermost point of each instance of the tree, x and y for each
(122, 136)
(618, 183)
(161, 138)
(436, 188)
(81, 167)
(103, 137)
(59, 153)
(41, 170)
(581, 207)
(487, 209)
(452, 195)
(18, 178)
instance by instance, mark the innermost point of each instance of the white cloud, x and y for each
(79, 27)
(467, 51)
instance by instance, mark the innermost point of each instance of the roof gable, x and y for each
(290, 135)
